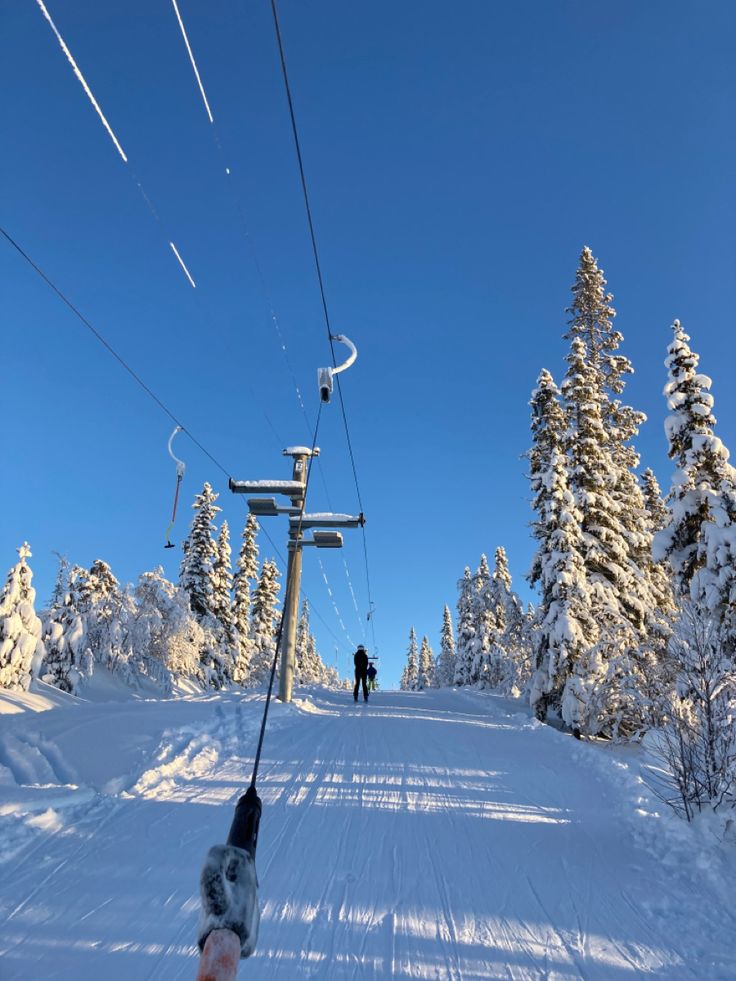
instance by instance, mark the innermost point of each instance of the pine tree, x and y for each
(485, 625)
(659, 513)
(548, 428)
(446, 662)
(700, 540)
(222, 587)
(315, 666)
(566, 629)
(246, 573)
(61, 583)
(409, 676)
(263, 621)
(629, 600)
(200, 555)
(465, 630)
(603, 548)
(308, 668)
(102, 606)
(508, 617)
(426, 670)
(21, 648)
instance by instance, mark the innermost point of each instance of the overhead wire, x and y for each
(139, 381)
(116, 142)
(156, 215)
(322, 292)
(238, 207)
(137, 181)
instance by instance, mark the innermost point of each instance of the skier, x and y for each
(371, 676)
(360, 659)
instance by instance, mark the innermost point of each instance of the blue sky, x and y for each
(458, 157)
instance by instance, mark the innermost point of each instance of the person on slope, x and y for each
(360, 659)
(372, 676)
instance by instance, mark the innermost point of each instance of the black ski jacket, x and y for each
(361, 661)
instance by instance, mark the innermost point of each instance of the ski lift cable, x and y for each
(154, 211)
(118, 357)
(297, 534)
(334, 603)
(239, 209)
(135, 177)
(228, 926)
(320, 280)
(312, 607)
(137, 378)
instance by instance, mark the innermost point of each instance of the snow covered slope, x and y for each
(431, 835)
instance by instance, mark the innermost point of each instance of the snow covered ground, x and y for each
(432, 835)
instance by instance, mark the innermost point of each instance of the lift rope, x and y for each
(318, 267)
(228, 927)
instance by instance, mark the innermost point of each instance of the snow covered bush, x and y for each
(165, 636)
(698, 738)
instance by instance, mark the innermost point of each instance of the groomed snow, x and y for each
(430, 835)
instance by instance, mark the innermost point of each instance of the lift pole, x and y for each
(300, 455)
(323, 536)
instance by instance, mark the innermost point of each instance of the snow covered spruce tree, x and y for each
(264, 619)
(699, 542)
(197, 577)
(426, 668)
(63, 638)
(409, 675)
(61, 583)
(245, 574)
(616, 548)
(105, 611)
(566, 629)
(465, 630)
(309, 667)
(21, 648)
(446, 659)
(603, 545)
(506, 617)
(200, 554)
(485, 627)
(222, 588)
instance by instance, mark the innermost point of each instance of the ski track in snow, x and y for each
(434, 835)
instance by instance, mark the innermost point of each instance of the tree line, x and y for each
(634, 629)
(216, 627)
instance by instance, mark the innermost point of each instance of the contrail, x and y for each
(191, 58)
(181, 263)
(81, 78)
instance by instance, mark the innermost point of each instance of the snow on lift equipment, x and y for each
(180, 468)
(325, 375)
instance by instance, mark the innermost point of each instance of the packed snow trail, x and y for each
(431, 835)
